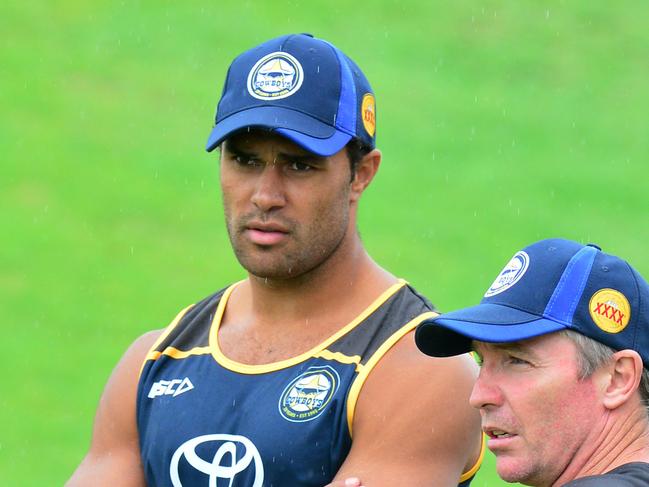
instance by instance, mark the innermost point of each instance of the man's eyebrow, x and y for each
(302, 157)
(510, 346)
(233, 148)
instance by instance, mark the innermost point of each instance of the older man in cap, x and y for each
(562, 336)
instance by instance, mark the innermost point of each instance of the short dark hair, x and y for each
(356, 150)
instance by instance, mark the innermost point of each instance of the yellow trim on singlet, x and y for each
(175, 353)
(341, 357)
(282, 364)
(473, 470)
(359, 381)
(152, 354)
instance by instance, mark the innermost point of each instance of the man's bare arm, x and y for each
(413, 424)
(114, 455)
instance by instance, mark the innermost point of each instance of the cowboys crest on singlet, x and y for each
(205, 420)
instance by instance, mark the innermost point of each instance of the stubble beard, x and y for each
(308, 248)
(527, 472)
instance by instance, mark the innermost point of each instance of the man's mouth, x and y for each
(266, 227)
(265, 233)
(494, 433)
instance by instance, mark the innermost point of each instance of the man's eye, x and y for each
(299, 166)
(246, 161)
(516, 361)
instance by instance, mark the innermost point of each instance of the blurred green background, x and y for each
(501, 123)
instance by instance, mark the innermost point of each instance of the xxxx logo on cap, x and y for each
(368, 109)
(610, 310)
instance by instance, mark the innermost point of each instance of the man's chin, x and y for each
(271, 272)
(512, 469)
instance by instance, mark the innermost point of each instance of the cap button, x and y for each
(594, 245)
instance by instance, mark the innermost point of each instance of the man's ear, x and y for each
(366, 169)
(624, 374)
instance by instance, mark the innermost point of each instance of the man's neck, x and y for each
(624, 438)
(351, 280)
(344, 284)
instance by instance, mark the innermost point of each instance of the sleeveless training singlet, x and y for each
(205, 420)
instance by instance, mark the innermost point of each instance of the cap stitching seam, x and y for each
(582, 285)
(261, 105)
(559, 289)
(562, 283)
(639, 294)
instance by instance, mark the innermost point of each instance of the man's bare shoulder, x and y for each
(114, 452)
(413, 423)
(142, 344)
(442, 383)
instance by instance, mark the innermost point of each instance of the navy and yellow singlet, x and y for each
(205, 420)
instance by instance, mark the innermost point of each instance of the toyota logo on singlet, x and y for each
(232, 455)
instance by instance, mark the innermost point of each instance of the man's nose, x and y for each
(269, 191)
(486, 391)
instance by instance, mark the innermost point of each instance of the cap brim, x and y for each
(452, 333)
(311, 134)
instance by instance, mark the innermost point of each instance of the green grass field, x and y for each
(500, 122)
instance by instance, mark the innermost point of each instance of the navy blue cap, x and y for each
(303, 88)
(549, 286)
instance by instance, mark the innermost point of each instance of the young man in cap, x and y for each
(307, 370)
(563, 339)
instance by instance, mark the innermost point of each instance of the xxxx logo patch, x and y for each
(610, 310)
(368, 109)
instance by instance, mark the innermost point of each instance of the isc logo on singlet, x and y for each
(173, 387)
